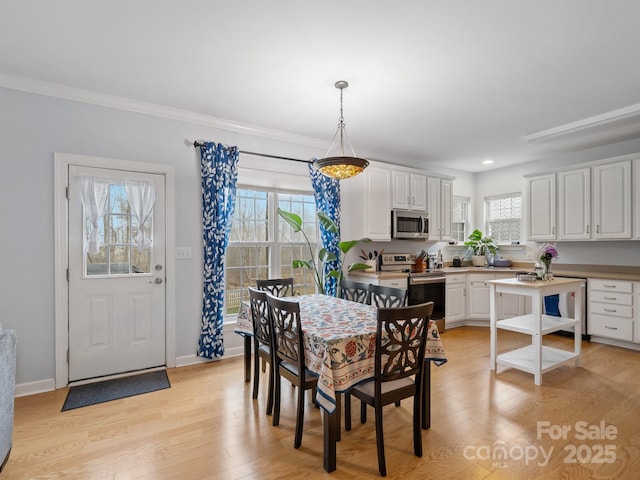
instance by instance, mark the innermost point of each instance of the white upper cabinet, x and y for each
(636, 205)
(574, 206)
(612, 200)
(446, 199)
(541, 198)
(409, 190)
(597, 201)
(366, 205)
(440, 197)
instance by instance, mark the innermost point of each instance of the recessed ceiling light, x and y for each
(487, 162)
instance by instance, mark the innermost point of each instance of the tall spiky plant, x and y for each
(324, 256)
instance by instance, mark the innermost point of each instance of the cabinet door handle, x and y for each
(610, 310)
(553, 230)
(413, 201)
(610, 298)
(464, 292)
(597, 228)
(610, 328)
(408, 200)
(609, 286)
(587, 229)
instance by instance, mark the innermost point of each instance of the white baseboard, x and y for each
(32, 388)
(615, 343)
(466, 323)
(194, 359)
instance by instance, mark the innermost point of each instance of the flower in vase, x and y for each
(547, 252)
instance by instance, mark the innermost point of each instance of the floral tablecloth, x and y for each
(339, 338)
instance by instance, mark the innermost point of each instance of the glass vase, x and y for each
(546, 270)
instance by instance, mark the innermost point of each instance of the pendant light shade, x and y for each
(336, 164)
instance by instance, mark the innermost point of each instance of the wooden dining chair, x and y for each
(399, 360)
(355, 291)
(288, 348)
(262, 342)
(278, 287)
(388, 297)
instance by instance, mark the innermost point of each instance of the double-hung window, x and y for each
(262, 245)
(503, 215)
(459, 218)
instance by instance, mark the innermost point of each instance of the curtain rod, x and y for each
(198, 144)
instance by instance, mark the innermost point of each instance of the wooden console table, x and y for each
(536, 358)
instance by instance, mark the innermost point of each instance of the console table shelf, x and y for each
(535, 358)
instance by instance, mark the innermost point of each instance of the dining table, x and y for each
(339, 344)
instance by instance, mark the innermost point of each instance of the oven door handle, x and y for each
(426, 280)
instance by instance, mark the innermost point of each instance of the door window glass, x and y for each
(118, 231)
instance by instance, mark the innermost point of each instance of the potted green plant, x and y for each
(317, 267)
(479, 246)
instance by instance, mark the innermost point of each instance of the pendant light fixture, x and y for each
(338, 165)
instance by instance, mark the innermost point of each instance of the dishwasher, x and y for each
(563, 305)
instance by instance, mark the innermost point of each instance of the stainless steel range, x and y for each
(424, 286)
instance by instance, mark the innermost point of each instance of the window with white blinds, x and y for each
(459, 218)
(503, 214)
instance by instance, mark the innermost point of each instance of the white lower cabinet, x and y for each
(467, 298)
(456, 298)
(611, 309)
(510, 305)
(636, 301)
(478, 295)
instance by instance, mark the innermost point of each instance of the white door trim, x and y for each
(61, 255)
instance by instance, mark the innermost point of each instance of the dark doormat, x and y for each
(100, 392)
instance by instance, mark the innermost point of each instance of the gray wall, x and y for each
(33, 127)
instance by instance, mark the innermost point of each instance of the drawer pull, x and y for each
(610, 328)
(609, 310)
(610, 298)
(609, 286)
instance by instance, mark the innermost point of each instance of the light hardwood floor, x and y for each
(208, 427)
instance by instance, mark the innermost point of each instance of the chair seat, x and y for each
(368, 386)
(308, 376)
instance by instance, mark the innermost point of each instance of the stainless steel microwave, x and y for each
(409, 224)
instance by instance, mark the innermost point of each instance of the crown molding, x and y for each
(614, 120)
(39, 87)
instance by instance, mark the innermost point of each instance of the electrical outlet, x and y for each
(183, 252)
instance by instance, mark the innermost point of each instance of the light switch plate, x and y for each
(183, 252)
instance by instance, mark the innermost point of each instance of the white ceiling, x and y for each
(450, 82)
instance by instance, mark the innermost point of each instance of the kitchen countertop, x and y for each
(612, 272)
(566, 270)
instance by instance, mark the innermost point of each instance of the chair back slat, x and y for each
(355, 291)
(287, 331)
(260, 316)
(400, 341)
(278, 287)
(388, 297)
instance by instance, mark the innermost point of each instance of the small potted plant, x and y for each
(480, 246)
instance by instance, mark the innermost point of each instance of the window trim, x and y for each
(274, 245)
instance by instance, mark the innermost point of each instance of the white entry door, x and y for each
(117, 295)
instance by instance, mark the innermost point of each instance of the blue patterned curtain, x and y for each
(219, 169)
(326, 191)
